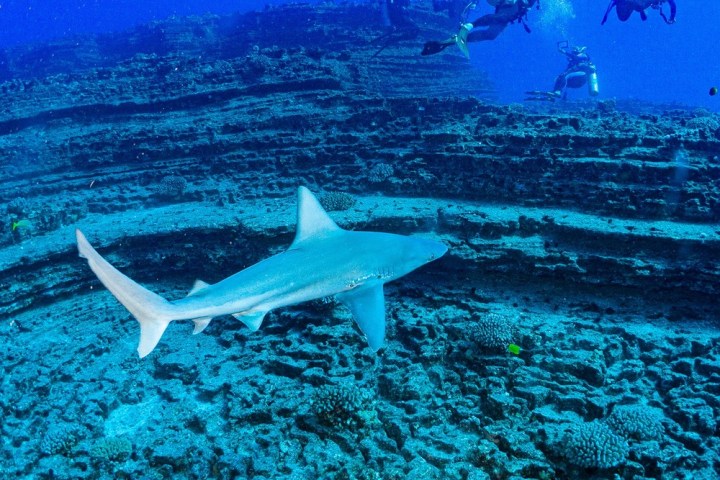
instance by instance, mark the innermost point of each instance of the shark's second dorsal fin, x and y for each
(198, 287)
(312, 219)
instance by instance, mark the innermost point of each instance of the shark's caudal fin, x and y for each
(153, 312)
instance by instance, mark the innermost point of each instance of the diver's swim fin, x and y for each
(461, 38)
(433, 47)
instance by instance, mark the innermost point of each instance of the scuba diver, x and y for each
(454, 7)
(625, 8)
(394, 15)
(393, 12)
(506, 12)
(579, 71)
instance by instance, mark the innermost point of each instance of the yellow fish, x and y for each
(20, 223)
(514, 349)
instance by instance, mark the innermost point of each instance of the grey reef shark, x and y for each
(324, 260)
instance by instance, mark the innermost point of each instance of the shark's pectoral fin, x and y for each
(253, 318)
(367, 305)
(200, 324)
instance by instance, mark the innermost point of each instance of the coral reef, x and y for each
(589, 230)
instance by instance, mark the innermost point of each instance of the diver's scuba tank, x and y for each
(593, 88)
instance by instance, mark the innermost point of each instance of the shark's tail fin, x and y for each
(153, 312)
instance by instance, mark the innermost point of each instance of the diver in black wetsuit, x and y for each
(453, 7)
(506, 12)
(625, 8)
(393, 12)
(579, 71)
(394, 15)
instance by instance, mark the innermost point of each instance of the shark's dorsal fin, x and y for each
(312, 219)
(198, 286)
(367, 305)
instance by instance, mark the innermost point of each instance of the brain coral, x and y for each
(594, 445)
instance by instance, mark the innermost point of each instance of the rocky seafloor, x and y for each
(586, 233)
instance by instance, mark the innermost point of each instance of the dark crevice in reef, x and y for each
(87, 113)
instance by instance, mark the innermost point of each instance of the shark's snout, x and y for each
(428, 250)
(436, 250)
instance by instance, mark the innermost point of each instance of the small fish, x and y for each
(514, 349)
(20, 223)
(713, 91)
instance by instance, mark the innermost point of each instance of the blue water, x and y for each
(635, 59)
(649, 60)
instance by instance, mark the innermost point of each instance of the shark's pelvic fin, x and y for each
(367, 305)
(312, 219)
(153, 312)
(252, 319)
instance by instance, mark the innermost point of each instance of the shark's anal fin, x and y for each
(201, 324)
(253, 319)
(367, 305)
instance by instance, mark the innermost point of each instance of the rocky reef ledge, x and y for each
(586, 234)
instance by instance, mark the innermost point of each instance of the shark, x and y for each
(323, 260)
